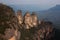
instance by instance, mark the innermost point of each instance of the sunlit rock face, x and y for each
(28, 20)
(34, 19)
(39, 22)
(20, 17)
(13, 38)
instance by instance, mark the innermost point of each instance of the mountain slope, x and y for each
(52, 14)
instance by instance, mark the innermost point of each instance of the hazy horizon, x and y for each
(31, 5)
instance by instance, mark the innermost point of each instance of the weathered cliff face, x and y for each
(20, 17)
(8, 23)
(28, 20)
(34, 19)
(41, 32)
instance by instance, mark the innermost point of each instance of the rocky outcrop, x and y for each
(34, 29)
(25, 27)
(8, 23)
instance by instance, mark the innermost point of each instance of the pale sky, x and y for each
(40, 3)
(37, 2)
